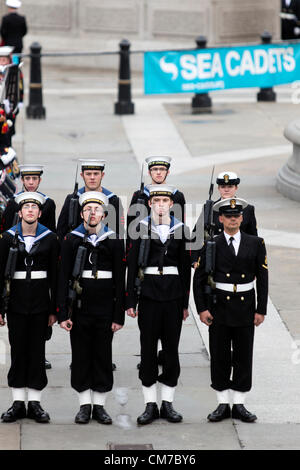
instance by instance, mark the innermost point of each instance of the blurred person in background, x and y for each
(13, 26)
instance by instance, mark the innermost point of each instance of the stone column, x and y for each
(288, 178)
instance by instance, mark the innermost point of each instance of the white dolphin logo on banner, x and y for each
(168, 67)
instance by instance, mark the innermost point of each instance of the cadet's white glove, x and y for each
(8, 157)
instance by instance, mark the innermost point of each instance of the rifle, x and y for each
(10, 269)
(208, 211)
(144, 247)
(204, 228)
(74, 205)
(142, 185)
(76, 289)
(210, 254)
(140, 199)
(142, 264)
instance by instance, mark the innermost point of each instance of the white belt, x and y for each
(166, 270)
(235, 287)
(32, 275)
(98, 275)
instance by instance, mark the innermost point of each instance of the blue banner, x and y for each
(203, 70)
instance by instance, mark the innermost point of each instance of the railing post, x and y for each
(124, 104)
(35, 109)
(266, 94)
(201, 102)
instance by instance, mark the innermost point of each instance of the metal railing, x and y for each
(201, 102)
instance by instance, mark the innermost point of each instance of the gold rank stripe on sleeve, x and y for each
(266, 263)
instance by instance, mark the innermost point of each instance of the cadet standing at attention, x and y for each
(225, 300)
(28, 276)
(158, 170)
(31, 176)
(91, 304)
(164, 276)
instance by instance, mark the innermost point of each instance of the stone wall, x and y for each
(81, 25)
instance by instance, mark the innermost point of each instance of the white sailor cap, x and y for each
(230, 206)
(27, 196)
(31, 169)
(93, 197)
(158, 161)
(13, 3)
(92, 164)
(161, 190)
(227, 177)
(5, 51)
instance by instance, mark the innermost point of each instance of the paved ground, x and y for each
(240, 135)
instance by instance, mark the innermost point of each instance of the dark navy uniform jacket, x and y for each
(13, 29)
(250, 264)
(101, 297)
(32, 296)
(174, 252)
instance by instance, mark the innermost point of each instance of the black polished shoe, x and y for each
(240, 412)
(151, 412)
(16, 411)
(84, 414)
(114, 367)
(220, 413)
(36, 412)
(100, 415)
(167, 412)
(48, 364)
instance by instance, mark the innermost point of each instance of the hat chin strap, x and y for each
(30, 222)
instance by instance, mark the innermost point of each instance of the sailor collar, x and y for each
(174, 224)
(21, 192)
(41, 232)
(146, 190)
(104, 232)
(105, 191)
